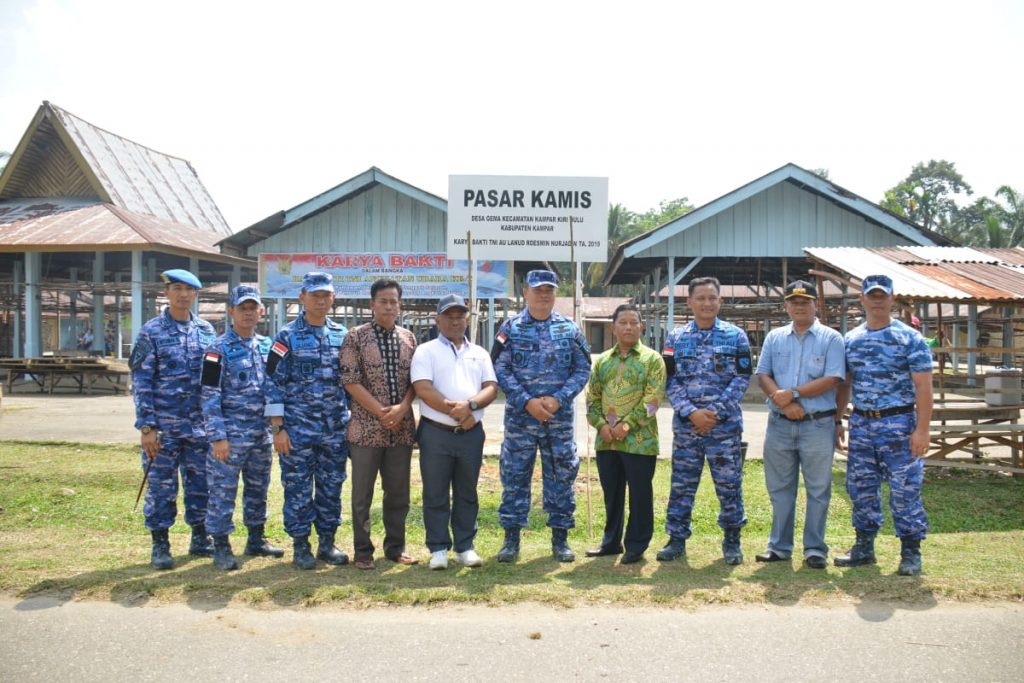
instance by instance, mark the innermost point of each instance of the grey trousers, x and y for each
(450, 467)
(393, 465)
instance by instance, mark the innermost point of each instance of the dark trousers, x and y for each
(618, 470)
(450, 467)
(393, 465)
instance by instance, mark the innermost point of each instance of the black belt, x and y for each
(885, 412)
(810, 416)
(454, 429)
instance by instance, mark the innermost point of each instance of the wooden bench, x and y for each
(966, 425)
(48, 373)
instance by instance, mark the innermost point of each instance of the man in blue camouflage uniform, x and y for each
(166, 364)
(889, 368)
(542, 361)
(708, 367)
(234, 370)
(309, 410)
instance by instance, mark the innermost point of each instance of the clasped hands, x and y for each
(616, 433)
(703, 420)
(543, 408)
(391, 416)
(783, 398)
(461, 413)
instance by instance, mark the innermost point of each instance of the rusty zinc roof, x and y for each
(105, 227)
(95, 162)
(938, 274)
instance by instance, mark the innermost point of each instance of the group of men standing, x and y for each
(320, 395)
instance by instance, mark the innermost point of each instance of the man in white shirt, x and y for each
(454, 381)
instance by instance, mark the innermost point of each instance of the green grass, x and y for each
(67, 531)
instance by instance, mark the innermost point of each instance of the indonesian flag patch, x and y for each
(279, 348)
(502, 337)
(212, 357)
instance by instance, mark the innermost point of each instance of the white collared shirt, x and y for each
(458, 374)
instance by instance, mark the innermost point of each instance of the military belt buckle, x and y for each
(877, 414)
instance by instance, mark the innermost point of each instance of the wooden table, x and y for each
(975, 424)
(49, 371)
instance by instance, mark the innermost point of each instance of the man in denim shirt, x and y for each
(800, 366)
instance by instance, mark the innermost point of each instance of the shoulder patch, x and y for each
(743, 362)
(277, 353)
(143, 348)
(211, 369)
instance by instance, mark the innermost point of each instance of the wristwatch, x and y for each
(795, 392)
(274, 429)
(473, 405)
(146, 429)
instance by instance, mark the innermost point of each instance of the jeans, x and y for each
(790, 448)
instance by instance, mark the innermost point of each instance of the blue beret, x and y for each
(243, 293)
(541, 278)
(181, 275)
(317, 282)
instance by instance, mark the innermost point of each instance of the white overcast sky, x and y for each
(275, 102)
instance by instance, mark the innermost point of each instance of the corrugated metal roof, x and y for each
(144, 180)
(35, 207)
(104, 227)
(953, 274)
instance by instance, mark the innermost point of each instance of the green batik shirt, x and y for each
(629, 389)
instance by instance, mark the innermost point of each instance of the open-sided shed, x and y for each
(89, 215)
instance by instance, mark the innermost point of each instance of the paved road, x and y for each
(32, 416)
(45, 639)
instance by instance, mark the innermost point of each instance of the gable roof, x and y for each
(61, 155)
(791, 173)
(282, 220)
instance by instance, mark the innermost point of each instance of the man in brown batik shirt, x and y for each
(375, 360)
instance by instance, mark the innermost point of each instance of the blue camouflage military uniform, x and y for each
(534, 358)
(166, 364)
(234, 370)
(708, 368)
(304, 386)
(879, 364)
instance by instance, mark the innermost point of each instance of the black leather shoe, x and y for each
(631, 558)
(770, 556)
(603, 551)
(816, 562)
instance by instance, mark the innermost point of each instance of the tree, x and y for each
(624, 225)
(977, 225)
(926, 196)
(1011, 215)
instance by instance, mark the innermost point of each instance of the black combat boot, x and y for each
(732, 553)
(910, 557)
(673, 550)
(560, 546)
(223, 557)
(201, 545)
(302, 554)
(510, 550)
(328, 553)
(161, 558)
(259, 546)
(862, 552)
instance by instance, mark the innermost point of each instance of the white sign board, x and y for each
(526, 218)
